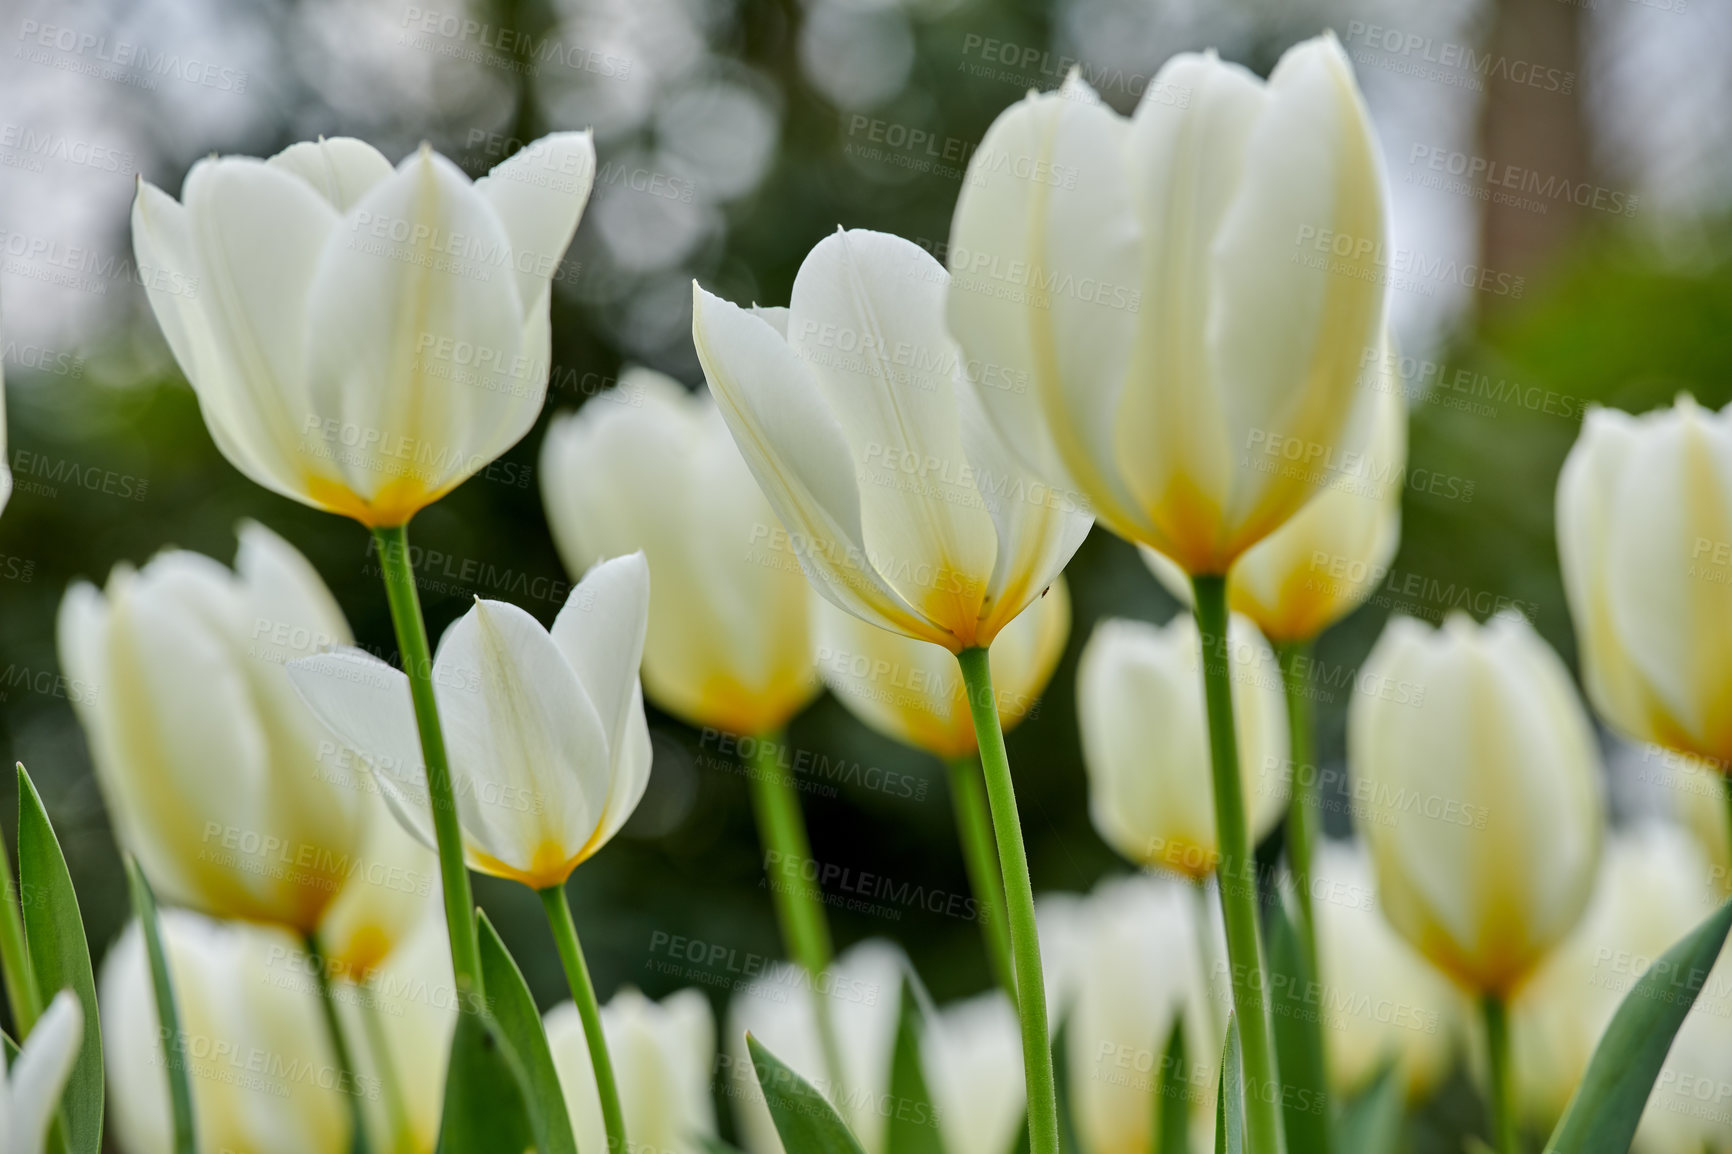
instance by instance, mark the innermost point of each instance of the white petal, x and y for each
(539, 194)
(340, 168)
(39, 1075)
(600, 630)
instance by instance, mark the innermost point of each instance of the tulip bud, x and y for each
(1192, 295)
(651, 466)
(1478, 779)
(1644, 514)
(971, 1060)
(912, 690)
(663, 1053)
(216, 776)
(1146, 744)
(363, 340)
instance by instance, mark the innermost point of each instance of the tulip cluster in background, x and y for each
(711, 586)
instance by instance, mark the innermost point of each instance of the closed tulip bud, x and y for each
(1320, 565)
(1384, 1001)
(864, 988)
(1150, 953)
(383, 900)
(1480, 780)
(545, 731)
(1644, 515)
(651, 466)
(32, 1081)
(912, 691)
(254, 1042)
(663, 1053)
(971, 1059)
(862, 423)
(1146, 742)
(1192, 295)
(363, 340)
(227, 790)
(1650, 893)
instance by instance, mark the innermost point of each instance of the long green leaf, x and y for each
(912, 1127)
(487, 1095)
(1172, 1120)
(513, 1007)
(1372, 1123)
(806, 1122)
(1602, 1117)
(167, 1013)
(1230, 1099)
(1295, 1004)
(54, 939)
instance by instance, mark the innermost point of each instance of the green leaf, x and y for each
(805, 1121)
(167, 1013)
(1602, 1116)
(54, 939)
(1372, 1124)
(513, 1008)
(912, 1125)
(1172, 1095)
(487, 1096)
(1296, 1010)
(716, 1145)
(1230, 1100)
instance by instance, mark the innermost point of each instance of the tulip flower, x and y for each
(549, 749)
(971, 1060)
(864, 989)
(665, 1052)
(1699, 804)
(1645, 540)
(1384, 1001)
(1146, 748)
(253, 1043)
(651, 466)
(383, 902)
(1483, 815)
(363, 339)
(30, 1090)
(862, 423)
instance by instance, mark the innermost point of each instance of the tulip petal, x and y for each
(539, 194)
(796, 449)
(40, 1072)
(867, 319)
(340, 168)
(600, 630)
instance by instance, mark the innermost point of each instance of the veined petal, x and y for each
(340, 168)
(39, 1075)
(539, 194)
(291, 612)
(796, 449)
(600, 630)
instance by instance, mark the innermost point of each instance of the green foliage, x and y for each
(1172, 1095)
(167, 1013)
(513, 1008)
(1230, 1098)
(1371, 1124)
(804, 1120)
(912, 1126)
(489, 1106)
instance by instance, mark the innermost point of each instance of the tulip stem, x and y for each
(558, 908)
(1503, 1120)
(399, 576)
(974, 828)
(1302, 807)
(347, 1085)
(799, 904)
(1019, 903)
(1237, 875)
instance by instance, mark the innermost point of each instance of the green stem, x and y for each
(1503, 1120)
(558, 909)
(1019, 903)
(1302, 807)
(974, 828)
(799, 905)
(22, 991)
(1237, 876)
(411, 631)
(1726, 783)
(347, 1083)
(390, 1088)
(167, 1013)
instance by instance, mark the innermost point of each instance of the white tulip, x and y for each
(971, 1061)
(913, 691)
(861, 421)
(1644, 512)
(1480, 778)
(1146, 743)
(254, 1043)
(362, 340)
(662, 1052)
(651, 466)
(30, 1091)
(545, 731)
(1191, 295)
(864, 986)
(1383, 1001)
